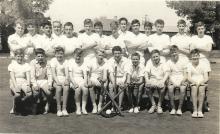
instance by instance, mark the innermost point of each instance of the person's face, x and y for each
(123, 25)
(100, 56)
(159, 28)
(19, 29)
(47, 30)
(148, 30)
(78, 58)
(117, 55)
(68, 30)
(98, 30)
(88, 28)
(200, 30)
(57, 28)
(40, 58)
(136, 28)
(114, 29)
(135, 60)
(155, 58)
(174, 56)
(195, 58)
(181, 28)
(19, 58)
(31, 29)
(59, 55)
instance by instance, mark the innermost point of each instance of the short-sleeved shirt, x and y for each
(178, 68)
(77, 70)
(47, 45)
(135, 72)
(159, 42)
(205, 43)
(59, 67)
(96, 69)
(197, 73)
(103, 41)
(19, 69)
(182, 42)
(16, 42)
(86, 40)
(40, 72)
(156, 72)
(125, 35)
(112, 41)
(136, 40)
(121, 66)
(69, 45)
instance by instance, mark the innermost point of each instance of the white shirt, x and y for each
(159, 42)
(47, 45)
(135, 72)
(19, 69)
(86, 40)
(77, 70)
(96, 70)
(121, 66)
(197, 73)
(182, 42)
(59, 67)
(204, 43)
(178, 68)
(156, 72)
(16, 42)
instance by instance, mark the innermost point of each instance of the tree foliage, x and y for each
(195, 11)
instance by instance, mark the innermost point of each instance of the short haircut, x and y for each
(154, 51)
(194, 51)
(159, 21)
(173, 49)
(19, 52)
(136, 54)
(46, 23)
(181, 21)
(58, 49)
(56, 21)
(78, 52)
(20, 22)
(116, 48)
(148, 24)
(31, 22)
(114, 24)
(100, 50)
(88, 21)
(98, 24)
(123, 18)
(39, 51)
(199, 24)
(68, 24)
(135, 21)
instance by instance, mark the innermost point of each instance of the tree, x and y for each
(10, 10)
(196, 11)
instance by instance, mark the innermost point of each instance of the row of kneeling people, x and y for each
(29, 80)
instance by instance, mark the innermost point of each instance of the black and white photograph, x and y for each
(109, 66)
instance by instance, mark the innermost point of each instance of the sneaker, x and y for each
(200, 114)
(173, 112)
(65, 113)
(179, 112)
(152, 109)
(78, 112)
(84, 112)
(59, 113)
(94, 110)
(136, 110)
(12, 111)
(194, 114)
(159, 110)
(131, 110)
(46, 109)
(99, 107)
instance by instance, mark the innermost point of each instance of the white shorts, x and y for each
(95, 81)
(43, 84)
(154, 82)
(22, 85)
(79, 81)
(176, 80)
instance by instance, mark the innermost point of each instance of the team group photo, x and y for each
(100, 75)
